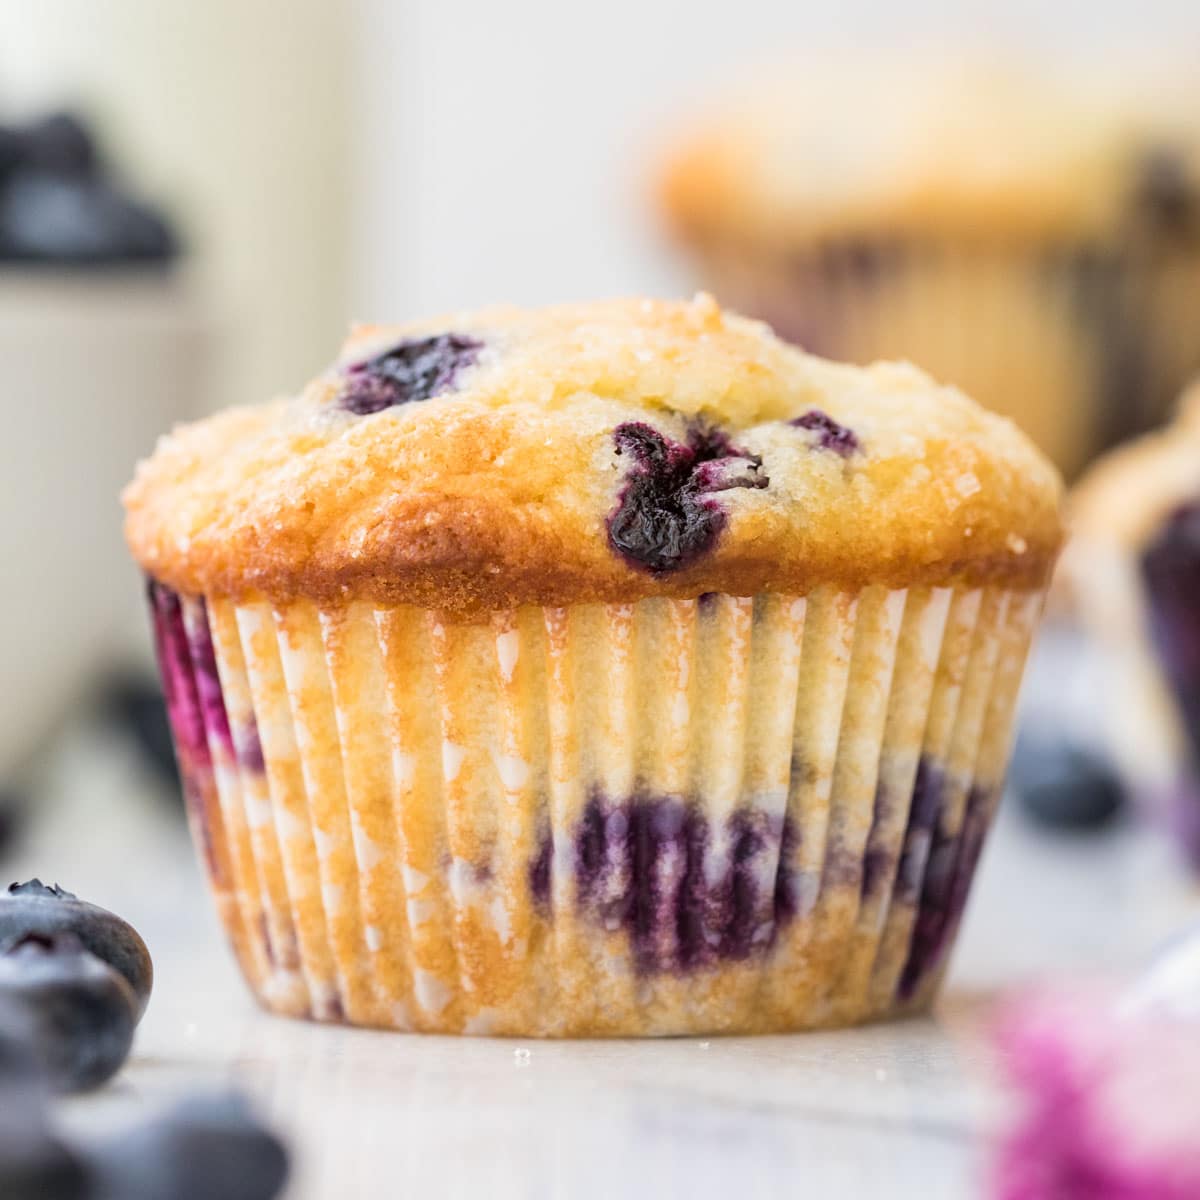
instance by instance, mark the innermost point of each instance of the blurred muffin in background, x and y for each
(1033, 240)
(1133, 570)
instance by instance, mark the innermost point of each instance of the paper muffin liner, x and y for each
(728, 814)
(1145, 634)
(1082, 348)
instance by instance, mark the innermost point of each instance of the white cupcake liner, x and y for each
(728, 814)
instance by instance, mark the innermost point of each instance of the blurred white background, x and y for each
(371, 159)
(334, 159)
(506, 147)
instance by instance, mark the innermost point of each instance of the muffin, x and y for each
(1034, 240)
(613, 669)
(1133, 569)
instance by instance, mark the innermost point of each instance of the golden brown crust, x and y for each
(496, 494)
(929, 148)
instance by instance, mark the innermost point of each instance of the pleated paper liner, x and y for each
(1081, 348)
(730, 814)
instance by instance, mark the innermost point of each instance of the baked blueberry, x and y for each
(206, 1148)
(666, 517)
(417, 369)
(82, 1012)
(34, 908)
(641, 865)
(830, 435)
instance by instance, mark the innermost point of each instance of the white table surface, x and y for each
(885, 1111)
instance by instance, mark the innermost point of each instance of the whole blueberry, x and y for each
(38, 1166)
(206, 1148)
(81, 1012)
(1065, 785)
(34, 1163)
(12, 151)
(61, 143)
(50, 217)
(34, 908)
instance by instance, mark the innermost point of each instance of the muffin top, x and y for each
(937, 148)
(1128, 494)
(601, 452)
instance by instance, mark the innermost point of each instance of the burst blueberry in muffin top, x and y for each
(610, 452)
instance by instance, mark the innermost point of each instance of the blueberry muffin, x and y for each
(610, 670)
(1034, 240)
(1134, 571)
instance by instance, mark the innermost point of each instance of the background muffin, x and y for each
(1033, 239)
(1133, 570)
(611, 669)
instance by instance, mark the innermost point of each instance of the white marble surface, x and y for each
(895, 1111)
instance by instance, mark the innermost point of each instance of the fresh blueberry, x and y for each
(61, 144)
(666, 516)
(49, 217)
(34, 1164)
(34, 908)
(1064, 784)
(418, 369)
(82, 1011)
(830, 435)
(207, 1148)
(12, 151)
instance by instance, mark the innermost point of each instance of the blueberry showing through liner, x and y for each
(413, 370)
(1064, 785)
(206, 1148)
(831, 435)
(81, 1012)
(666, 517)
(1171, 575)
(642, 864)
(34, 908)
